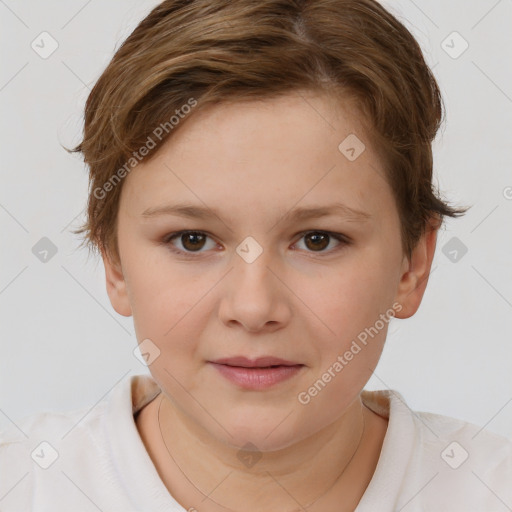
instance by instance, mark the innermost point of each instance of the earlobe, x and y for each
(116, 286)
(415, 273)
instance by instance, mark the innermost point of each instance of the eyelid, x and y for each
(343, 240)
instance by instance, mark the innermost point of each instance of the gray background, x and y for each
(63, 346)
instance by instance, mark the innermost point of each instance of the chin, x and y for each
(259, 441)
(265, 435)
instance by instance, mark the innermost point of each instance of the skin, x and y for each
(253, 162)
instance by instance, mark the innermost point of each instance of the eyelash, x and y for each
(344, 241)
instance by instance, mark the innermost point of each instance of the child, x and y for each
(290, 142)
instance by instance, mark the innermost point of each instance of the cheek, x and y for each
(352, 299)
(159, 291)
(162, 308)
(348, 359)
(357, 308)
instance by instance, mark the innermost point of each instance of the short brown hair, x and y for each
(214, 51)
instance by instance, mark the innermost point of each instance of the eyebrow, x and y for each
(315, 212)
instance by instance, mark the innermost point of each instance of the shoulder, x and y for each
(36, 448)
(465, 440)
(461, 463)
(33, 433)
(435, 462)
(430, 432)
(63, 461)
(52, 425)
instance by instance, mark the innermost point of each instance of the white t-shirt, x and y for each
(93, 459)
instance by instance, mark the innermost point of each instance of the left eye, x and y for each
(193, 241)
(320, 239)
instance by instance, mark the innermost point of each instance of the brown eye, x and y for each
(317, 241)
(191, 242)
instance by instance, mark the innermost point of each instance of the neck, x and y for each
(202, 472)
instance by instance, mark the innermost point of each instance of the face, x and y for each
(257, 278)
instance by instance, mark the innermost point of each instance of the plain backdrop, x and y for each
(63, 346)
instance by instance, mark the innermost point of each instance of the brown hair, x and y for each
(199, 52)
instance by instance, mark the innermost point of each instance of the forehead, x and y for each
(263, 154)
(243, 127)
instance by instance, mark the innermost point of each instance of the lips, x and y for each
(261, 362)
(256, 374)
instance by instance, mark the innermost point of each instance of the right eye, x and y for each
(192, 241)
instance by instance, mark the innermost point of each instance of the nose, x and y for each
(254, 296)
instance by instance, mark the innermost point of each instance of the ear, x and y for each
(116, 285)
(416, 271)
